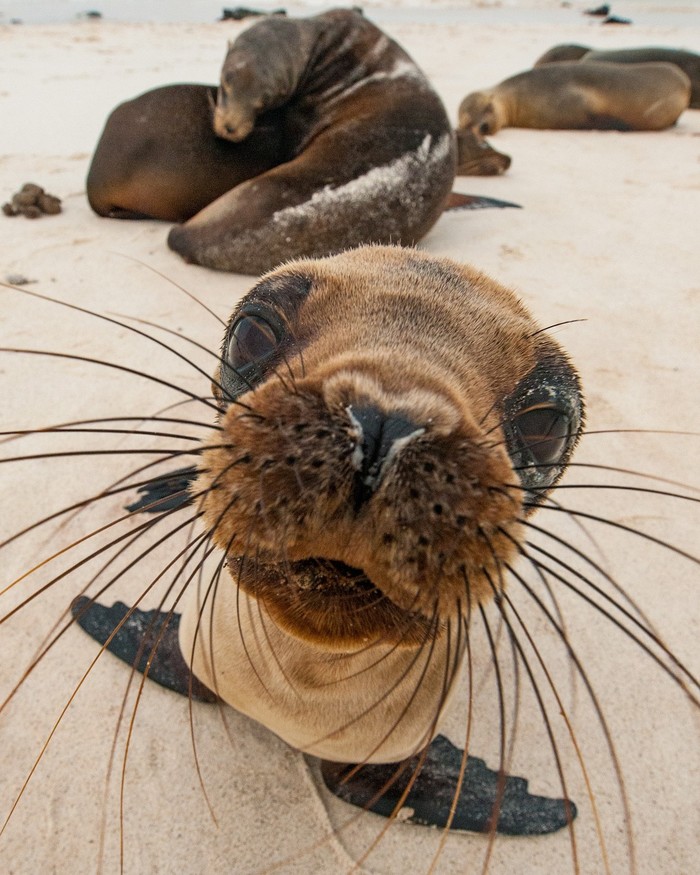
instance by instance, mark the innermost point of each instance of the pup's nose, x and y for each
(382, 436)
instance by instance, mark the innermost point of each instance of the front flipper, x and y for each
(135, 639)
(458, 201)
(165, 493)
(430, 798)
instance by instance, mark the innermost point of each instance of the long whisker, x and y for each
(77, 424)
(123, 368)
(618, 525)
(591, 693)
(534, 686)
(142, 683)
(645, 630)
(103, 317)
(172, 282)
(67, 705)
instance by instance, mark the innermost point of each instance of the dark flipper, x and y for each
(165, 493)
(430, 798)
(135, 639)
(458, 201)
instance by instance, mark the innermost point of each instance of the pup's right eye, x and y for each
(252, 339)
(251, 350)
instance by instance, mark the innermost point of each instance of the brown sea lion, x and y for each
(576, 96)
(476, 157)
(360, 149)
(366, 511)
(688, 62)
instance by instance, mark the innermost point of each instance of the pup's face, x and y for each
(387, 418)
(243, 94)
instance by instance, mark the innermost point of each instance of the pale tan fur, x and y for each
(568, 94)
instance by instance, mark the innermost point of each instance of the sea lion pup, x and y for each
(688, 62)
(360, 149)
(387, 421)
(477, 157)
(576, 96)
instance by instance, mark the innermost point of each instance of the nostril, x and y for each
(382, 435)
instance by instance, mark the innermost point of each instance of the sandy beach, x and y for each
(607, 234)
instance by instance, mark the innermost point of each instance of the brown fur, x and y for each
(571, 95)
(563, 52)
(159, 158)
(688, 62)
(476, 157)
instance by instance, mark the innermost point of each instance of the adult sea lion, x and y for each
(572, 95)
(356, 148)
(158, 157)
(688, 62)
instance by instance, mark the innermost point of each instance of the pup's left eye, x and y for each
(544, 431)
(252, 339)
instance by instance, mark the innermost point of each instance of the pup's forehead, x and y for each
(389, 278)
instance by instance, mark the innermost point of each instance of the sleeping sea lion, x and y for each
(341, 141)
(158, 157)
(571, 95)
(688, 62)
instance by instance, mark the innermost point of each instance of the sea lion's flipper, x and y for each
(430, 798)
(459, 201)
(165, 493)
(135, 638)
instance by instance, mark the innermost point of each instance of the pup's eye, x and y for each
(251, 350)
(484, 128)
(543, 431)
(252, 339)
(542, 424)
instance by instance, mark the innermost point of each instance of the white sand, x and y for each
(608, 233)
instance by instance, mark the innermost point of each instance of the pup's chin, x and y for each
(329, 604)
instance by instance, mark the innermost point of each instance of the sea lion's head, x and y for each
(476, 157)
(262, 71)
(387, 421)
(240, 98)
(478, 112)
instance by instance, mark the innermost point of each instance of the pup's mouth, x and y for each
(330, 577)
(328, 602)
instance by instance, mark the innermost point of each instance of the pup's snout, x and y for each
(381, 436)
